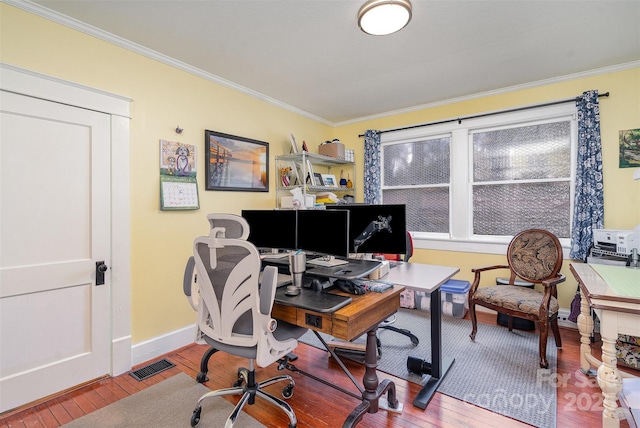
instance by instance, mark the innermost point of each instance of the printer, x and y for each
(616, 241)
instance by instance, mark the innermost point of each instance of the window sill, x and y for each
(498, 246)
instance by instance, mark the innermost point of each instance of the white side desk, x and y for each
(617, 314)
(427, 278)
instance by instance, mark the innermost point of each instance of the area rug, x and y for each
(498, 372)
(168, 404)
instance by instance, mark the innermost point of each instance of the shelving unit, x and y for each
(319, 164)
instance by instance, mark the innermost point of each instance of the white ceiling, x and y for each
(310, 55)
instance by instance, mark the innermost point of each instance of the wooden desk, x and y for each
(617, 314)
(428, 279)
(361, 316)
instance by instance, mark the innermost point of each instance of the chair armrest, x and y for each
(554, 281)
(478, 271)
(268, 289)
(189, 285)
(484, 268)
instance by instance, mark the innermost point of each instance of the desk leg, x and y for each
(372, 389)
(439, 366)
(609, 378)
(585, 326)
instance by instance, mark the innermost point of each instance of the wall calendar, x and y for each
(178, 193)
(178, 185)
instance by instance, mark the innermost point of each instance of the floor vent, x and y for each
(151, 369)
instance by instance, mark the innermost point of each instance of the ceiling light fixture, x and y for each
(382, 17)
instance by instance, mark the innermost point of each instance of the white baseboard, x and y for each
(563, 319)
(160, 345)
(154, 348)
(563, 316)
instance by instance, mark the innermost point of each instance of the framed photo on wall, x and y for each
(235, 163)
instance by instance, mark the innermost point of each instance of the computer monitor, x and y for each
(376, 228)
(324, 232)
(272, 229)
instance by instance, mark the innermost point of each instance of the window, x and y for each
(483, 180)
(417, 174)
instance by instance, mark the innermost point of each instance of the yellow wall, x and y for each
(619, 111)
(164, 97)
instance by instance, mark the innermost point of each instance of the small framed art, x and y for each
(329, 180)
(318, 179)
(236, 163)
(294, 145)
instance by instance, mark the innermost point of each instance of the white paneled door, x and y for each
(54, 228)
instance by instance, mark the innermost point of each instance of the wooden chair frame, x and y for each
(533, 255)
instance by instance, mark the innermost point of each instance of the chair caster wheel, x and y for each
(243, 375)
(287, 392)
(195, 418)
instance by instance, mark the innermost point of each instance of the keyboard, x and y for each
(374, 285)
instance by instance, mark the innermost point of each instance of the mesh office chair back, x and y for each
(234, 314)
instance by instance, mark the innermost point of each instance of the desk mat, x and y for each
(624, 281)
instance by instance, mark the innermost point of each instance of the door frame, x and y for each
(25, 82)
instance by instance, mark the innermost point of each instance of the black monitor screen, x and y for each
(271, 229)
(324, 232)
(376, 228)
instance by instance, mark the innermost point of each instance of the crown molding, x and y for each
(75, 24)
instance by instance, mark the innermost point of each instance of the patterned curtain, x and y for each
(589, 196)
(372, 168)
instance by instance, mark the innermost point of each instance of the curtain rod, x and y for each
(460, 119)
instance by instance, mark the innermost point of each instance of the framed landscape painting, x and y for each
(236, 163)
(629, 148)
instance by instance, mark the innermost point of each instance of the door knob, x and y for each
(101, 268)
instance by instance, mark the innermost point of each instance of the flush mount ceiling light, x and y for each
(382, 17)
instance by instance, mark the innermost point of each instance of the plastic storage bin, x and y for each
(454, 295)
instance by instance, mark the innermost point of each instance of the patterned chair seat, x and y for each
(628, 351)
(514, 298)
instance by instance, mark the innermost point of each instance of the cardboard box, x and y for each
(407, 299)
(334, 150)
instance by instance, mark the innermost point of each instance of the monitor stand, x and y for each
(327, 262)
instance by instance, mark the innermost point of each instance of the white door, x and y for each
(54, 227)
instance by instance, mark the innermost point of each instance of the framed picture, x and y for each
(311, 179)
(329, 180)
(629, 141)
(299, 174)
(318, 179)
(294, 145)
(236, 163)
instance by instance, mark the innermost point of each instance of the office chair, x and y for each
(535, 256)
(387, 324)
(236, 228)
(234, 314)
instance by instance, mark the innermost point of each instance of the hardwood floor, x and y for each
(579, 399)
